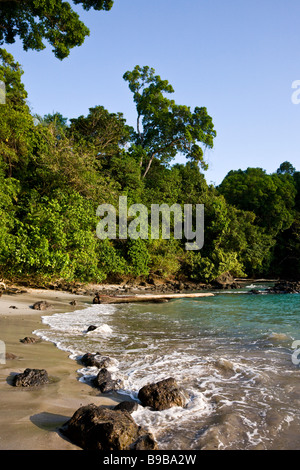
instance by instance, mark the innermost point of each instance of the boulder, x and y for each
(31, 378)
(129, 406)
(104, 381)
(97, 428)
(42, 305)
(162, 395)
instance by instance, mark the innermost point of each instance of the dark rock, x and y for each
(14, 307)
(97, 428)
(97, 299)
(28, 340)
(129, 406)
(162, 395)
(92, 328)
(146, 442)
(96, 360)
(286, 287)
(254, 291)
(104, 381)
(31, 378)
(91, 360)
(42, 305)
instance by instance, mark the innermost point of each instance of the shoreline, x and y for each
(29, 418)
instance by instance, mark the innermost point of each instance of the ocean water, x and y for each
(231, 353)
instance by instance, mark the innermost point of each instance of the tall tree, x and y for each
(101, 131)
(165, 128)
(286, 167)
(52, 20)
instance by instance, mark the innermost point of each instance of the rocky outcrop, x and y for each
(31, 378)
(162, 395)
(97, 428)
(285, 287)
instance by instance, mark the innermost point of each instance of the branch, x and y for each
(171, 144)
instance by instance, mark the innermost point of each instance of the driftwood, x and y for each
(125, 299)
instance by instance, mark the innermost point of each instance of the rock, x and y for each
(254, 291)
(285, 287)
(97, 428)
(14, 307)
(146, 442)
(91, 328)
(31, 378)
(10, 356)
(42, 305)
(129, 406)
(97, 299)
(28, 340)
(104, 381)
(91, 360)
(225, 281)
(162, 395)
(96, 360)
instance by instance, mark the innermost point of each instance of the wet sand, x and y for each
(29, 418)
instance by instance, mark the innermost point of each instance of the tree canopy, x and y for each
(165, 128)
(55, 171)
(54, 21)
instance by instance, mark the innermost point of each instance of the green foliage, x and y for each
(103, 132)
(138, 257)
(34, 21)
(163, 127)
(54, 175)
(270, 197)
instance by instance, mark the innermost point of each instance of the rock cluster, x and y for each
(285, 287)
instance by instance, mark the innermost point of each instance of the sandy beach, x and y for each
(29, 418)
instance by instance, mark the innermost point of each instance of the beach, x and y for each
(29, 417)
(231, 353)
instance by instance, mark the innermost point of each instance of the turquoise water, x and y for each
(231, 353)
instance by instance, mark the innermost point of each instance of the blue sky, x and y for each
(238, 58)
